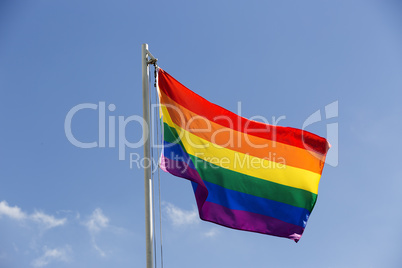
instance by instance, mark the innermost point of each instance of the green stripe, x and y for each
(170, 134)
(254, 186)
(247, 184)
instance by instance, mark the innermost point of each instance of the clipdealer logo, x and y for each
(107, 130)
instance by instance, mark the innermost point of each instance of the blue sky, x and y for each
(64, 206)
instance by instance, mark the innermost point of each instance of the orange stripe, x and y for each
(241, 142)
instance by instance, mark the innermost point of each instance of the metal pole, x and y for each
(147, 158)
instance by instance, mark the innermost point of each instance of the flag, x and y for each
(245, 174)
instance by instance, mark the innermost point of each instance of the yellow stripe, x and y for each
(275, 171)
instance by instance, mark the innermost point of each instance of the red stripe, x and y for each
(197, 104)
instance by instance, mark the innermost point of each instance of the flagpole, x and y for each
(147, 58)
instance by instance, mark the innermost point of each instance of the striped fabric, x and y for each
(245, 174)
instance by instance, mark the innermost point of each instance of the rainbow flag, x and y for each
(245, 174)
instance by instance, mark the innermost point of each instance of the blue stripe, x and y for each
(175, 152)
(195, 186)
(241, 201)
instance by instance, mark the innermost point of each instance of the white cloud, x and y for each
(47, 221)
(50, 255)
(39, 222)
(97, 221)
(181, 217)
(15, 213)
(12, 212)
(211, 233)
(97, 248)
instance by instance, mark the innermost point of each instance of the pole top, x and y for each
(152, 59)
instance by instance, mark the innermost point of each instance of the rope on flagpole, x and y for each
(159, 142)
(151, 126)
(158, 185)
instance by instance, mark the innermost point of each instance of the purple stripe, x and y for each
(248, 221)
(180, 169)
